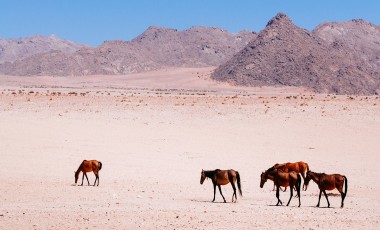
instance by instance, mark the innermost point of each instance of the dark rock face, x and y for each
(156, 48)
(285, 55)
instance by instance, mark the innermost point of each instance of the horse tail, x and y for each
(345, 186)
(306, 170)
(238, 183)
(100, 165)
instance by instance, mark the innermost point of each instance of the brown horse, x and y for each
(328, 182)
(223, 177)
(298, 167)
(89, 166)
(284, 179)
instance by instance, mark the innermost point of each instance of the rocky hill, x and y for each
(285, 55)
(357, 36)
(156, 48)
(20, 48)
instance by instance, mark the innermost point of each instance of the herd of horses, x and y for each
(283, 175)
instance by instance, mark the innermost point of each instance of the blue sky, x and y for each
(94, 21)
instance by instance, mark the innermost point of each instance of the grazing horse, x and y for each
(298, 167)
(89, 166)
(223, 177)
(328, 182)
(284, 179)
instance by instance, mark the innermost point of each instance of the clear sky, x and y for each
(94, 21)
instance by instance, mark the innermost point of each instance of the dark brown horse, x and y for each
(89, 166)
(284, 179)
(328, 182)
(223, 177)
(298, 167)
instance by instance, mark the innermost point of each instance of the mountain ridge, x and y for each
(286, 55)
(155, 48)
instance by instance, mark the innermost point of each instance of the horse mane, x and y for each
(272, 168)
(210, 173)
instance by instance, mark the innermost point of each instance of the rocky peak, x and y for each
(154, 32)
(280, 19)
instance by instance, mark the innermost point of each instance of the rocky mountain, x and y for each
(20, 48)
(358, 36)
(156, 48)
(283, 54)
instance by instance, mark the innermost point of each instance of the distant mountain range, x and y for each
(17, 49)
(336, 57)
(156, 48)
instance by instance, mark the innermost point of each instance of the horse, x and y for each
(223, 177)
(285, 179)
(328, 182)
(89, 166)
(298, 167)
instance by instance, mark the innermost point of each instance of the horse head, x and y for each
(76, 176)
(307, 180)
(263, 179)
(203, 176)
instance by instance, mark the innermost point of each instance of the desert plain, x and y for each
(154, 133)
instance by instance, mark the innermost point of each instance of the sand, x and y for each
(155, 132)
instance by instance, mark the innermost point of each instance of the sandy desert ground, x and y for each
(154, 132)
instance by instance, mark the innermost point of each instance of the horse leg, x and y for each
(328, 203)
(82, 179)
(319, 199)
(220, 190)
(96, 178)
(291, 195)
(298, 186)
(234, 194)
(87, 179)
(278, 196)
(345, 190)
(340, 189)
(214, 192)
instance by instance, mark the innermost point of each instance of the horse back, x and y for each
(293, 167)
(285, 178)
(327, 181)
(89, 166)
(221, 177)
(303, 166)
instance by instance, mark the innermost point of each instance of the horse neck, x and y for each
(209, 174)
(79, 169)
(270, 174)
(315, 177)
